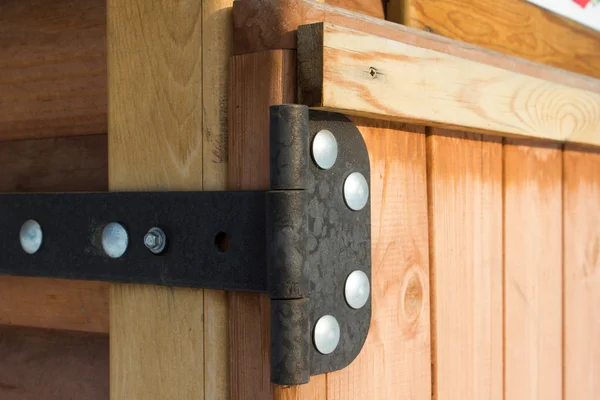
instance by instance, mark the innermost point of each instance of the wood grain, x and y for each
(257, 81)
(156, 51)
(216, 52)
(52, 68)
(465, 243)
(48, 365)
(533, 271)
(354, 72)
(395, 362)
(373, 8)
(581, 219)
(54, 165)
(517, 28)
(272, 24)
(70, 164)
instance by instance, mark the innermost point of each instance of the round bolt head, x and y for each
(357, 289)
(115, 240)
(155, 240)
(324, 149)
(31, 236)
(327, 334)
(356, 191)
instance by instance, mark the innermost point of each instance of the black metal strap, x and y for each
(299, 242)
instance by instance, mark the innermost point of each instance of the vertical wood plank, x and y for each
(258, 80)
(581, 274)
(156, 137)
(465, 222)
(395, 361)
(216, 52)
(533, 270)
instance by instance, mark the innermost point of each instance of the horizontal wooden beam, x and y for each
(52, 68)
(353, 72)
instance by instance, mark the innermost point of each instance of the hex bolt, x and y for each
(155, 240)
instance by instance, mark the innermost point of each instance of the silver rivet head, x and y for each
(31, 236)
(115, 240)
(356, 191)
(357, 289)
(327, 334)
(155, 240)
(324, 149)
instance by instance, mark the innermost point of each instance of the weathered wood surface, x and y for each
(465, 243)
(533, 271)
(513, 27)
(48, 365)
(355, 72)
(52, 68)
(581, 221)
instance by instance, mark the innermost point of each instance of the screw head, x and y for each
(357, 289)
(31, 236)
(326, 334)
(324, 149)
(356, 191)
(114, 240)
(155, 240)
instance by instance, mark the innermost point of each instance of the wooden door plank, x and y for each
(54, 165)
(533, 270)
(52, 68)
(517, 28)
(342, 70)
(48, 365)
(216, 53)
(581, 221)
(258, 81)
(395, 361)
(465, 222)
(157, 141)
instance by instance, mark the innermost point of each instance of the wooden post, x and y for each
(167, 120)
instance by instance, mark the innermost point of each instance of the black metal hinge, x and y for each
(306, 241)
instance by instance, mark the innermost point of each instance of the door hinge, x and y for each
(306, 241)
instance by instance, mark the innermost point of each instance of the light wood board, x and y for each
(52, 68)
(581, 219)
(465, 243)
(516, 27)
(166, 342)
(362, 74)
(533, 271)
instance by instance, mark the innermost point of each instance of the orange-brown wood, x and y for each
(533, 270)
(52, 68)
(395, 362)
(48, 365)
(516, 27)
(465, 243)
(373, 8)
(271, 24)
(257, 81)
(54, 165)
(70, 164)
(581, 219)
